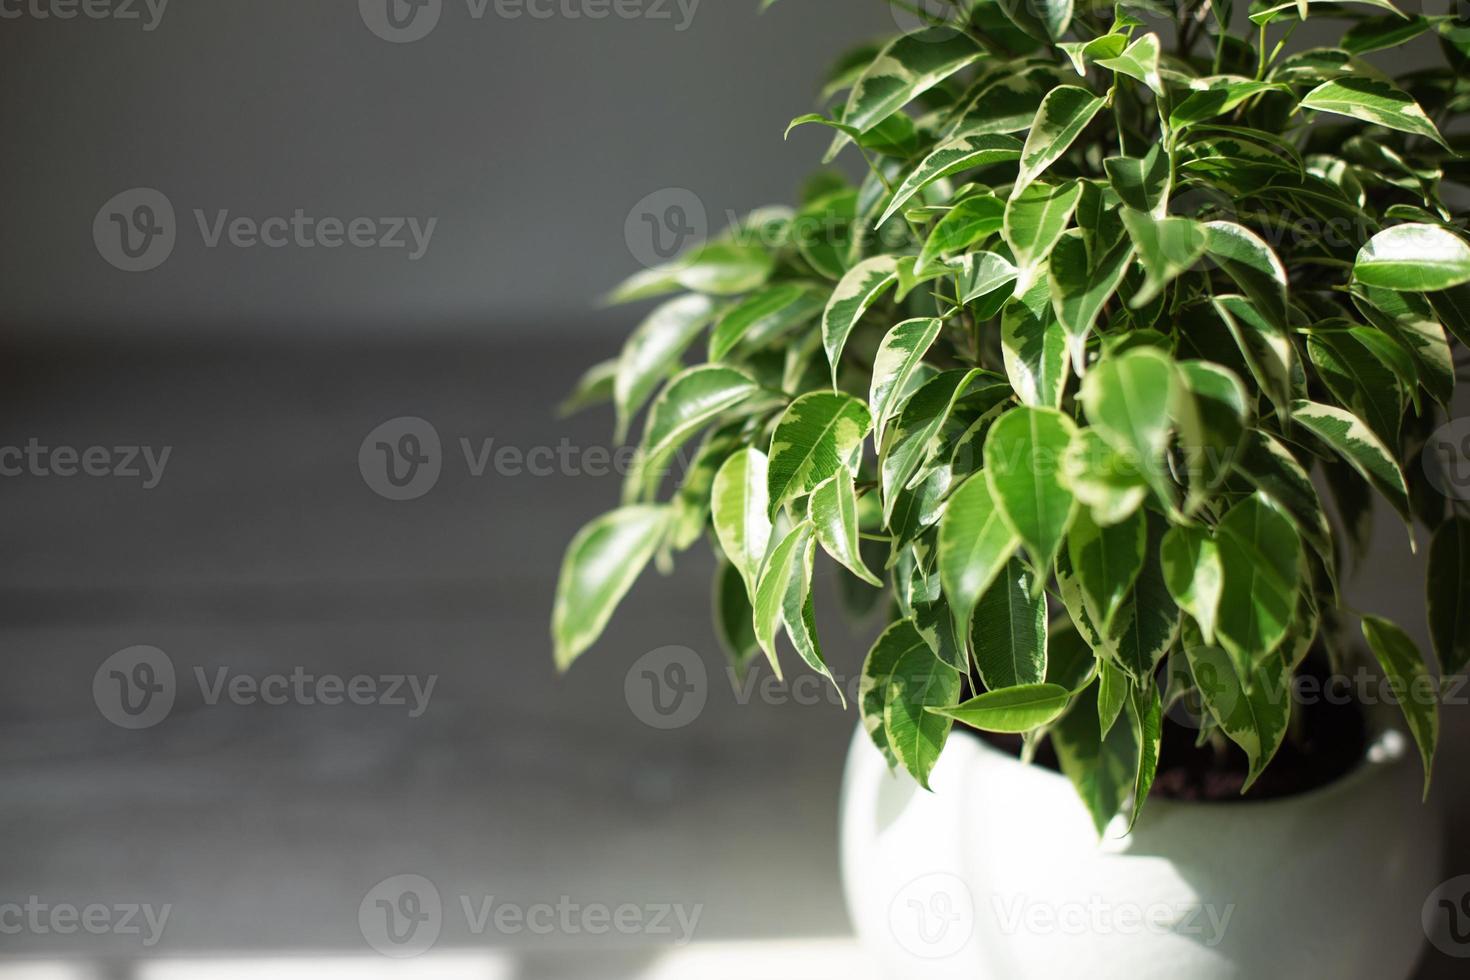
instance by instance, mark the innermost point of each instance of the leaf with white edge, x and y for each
(969, 222)
(906, 68)
(741, 514)
(593, 388)
(1139, 60)
(898, 355)
(901, 679)
(964, 153)
(1267, 349)
(600, 566)
(1103, 770)
(1252, 709)
(1360, 379)
(1272, 469)
(1449, 584)
(733, 619)
(819, 432)
(1373, 101)
(1113, 684)
(1104, 480)
(1167, 247)
(1012, 710)
(1299, 8)
(772, 584)
(1127, 399)
(1259, 560)
(1081, 285)
(1248, 260)
(1070, 591)
(1107, 560)
(1211, 408)
(1142, 183)
(1416, 258)
(1035, 218)
(763, 316)
(1023, 456)
(1007, 103)
(1351, 439)
(1063, 115)
(653, 350)
(1220, 97)
(692, 399)
(800, 621)
(1408, 320)
(974, 545)
(1453, 307)
(914, 440)
(1411, 684)
(1193, 574)
(1045, 20)
(1146, 712)
(1082, 52)
(859, 289)
(982, 273)
(1034, 346)
(725, 268)
(1008, 630)
(833, 508)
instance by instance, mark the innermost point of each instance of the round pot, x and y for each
(998, 874)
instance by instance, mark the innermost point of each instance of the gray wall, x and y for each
(529, 139)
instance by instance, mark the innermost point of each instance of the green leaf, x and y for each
(833, 508)
(901, 679)
(974, 545)
(1107, 560)
(1359, 379)
(1222, 96)
(818, 433)
(763, 316)
(691, 400)
(1080, 286)
(1166, 248)
(1034, 346)
(1267, 349)
(823, 231)
(1449, 585)
(1023, 455)
(1035, 218)
(1211, 409)
(724, 268)
(1141, 61)
(964, 153)
(733, 616)
(1148, 623)
(1102, 479)
(773, 583)
(1373, 101)
(898, 355)
(1006, 102)
(741, 513)
(1410, 322)
(908, 67)
(1141, 183)
(1008, 631)
(1194, 575)
(1260, 556)
(1146, 712)
(799, 619)
(915, 439)
(859, 289)
(1346, 434)
(600, 566)
(1453, 307)
(982, 273)
(1272, 469)
(1064, 113)
(1252, 709)
(1389, 31)
(969, 222)
(1103, 770)
(1045, 20)
(593, 388)
(1113, 684)
(1013, 710)
(1082, 52)
(1417, 258)
(1127, 398)
(1412, 686)
(653, 350)
(1252, 264)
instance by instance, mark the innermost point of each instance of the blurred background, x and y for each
(211, 380)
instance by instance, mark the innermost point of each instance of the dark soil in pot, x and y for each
(1326, 741)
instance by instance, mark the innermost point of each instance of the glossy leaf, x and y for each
(599, 568)
(859, 289)
(1413, 688)
(901, 680)
(1023, 456)
(1351, 439)
(1008, 630)
(964, 153)
(1414, 257)
(1107, 560)
(653, 350)
(1064, 113)
(1373, 101)
(818, 433)
(741, 512)
(1259, 560)
(975, 543)
(898, 356)
(833, 509)
(773, 582)
(1014, 710)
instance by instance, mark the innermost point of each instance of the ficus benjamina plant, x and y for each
(1058, 380)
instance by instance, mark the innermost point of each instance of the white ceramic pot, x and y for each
(998, 874)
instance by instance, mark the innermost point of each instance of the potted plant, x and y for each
(1058, 382)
